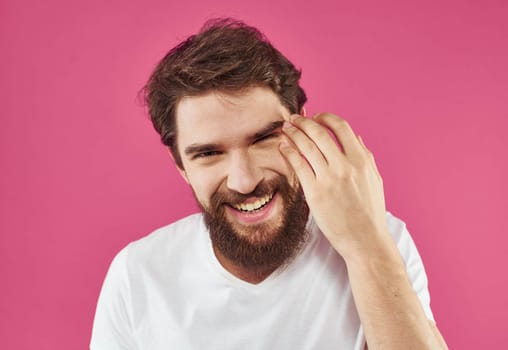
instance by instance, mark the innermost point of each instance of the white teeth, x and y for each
(255, 205)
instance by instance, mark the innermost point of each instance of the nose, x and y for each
(244, 174)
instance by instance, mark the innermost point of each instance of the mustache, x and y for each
(231, 197)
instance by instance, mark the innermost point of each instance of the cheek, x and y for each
(276, 161)
(280, 165)
(204, 183)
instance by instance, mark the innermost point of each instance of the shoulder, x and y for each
(396, 226)
(401, 236)
(173, 232)
(166, 241)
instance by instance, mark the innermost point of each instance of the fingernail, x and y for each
(287, 125)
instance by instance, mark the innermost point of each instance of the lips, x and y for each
(258, 204)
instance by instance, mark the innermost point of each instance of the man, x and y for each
(293, 248)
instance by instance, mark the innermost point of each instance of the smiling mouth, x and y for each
(254, 206)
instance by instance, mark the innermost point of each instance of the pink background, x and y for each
(83, 173)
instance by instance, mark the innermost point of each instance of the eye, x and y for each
(206, 154)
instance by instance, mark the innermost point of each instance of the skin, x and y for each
(345, 194)
(218, 157)
(342, 187)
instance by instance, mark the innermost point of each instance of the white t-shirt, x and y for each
(168, 291)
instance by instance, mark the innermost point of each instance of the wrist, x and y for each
(375, 249)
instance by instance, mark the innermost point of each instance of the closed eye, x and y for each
(206, 154)
(272, 135)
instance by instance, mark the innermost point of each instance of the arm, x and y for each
(437, 334)
(345, 194)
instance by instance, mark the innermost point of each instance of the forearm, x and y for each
(344, 191)
(390, 311)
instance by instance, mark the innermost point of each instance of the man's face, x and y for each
(251, 200)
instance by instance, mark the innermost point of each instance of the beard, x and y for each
(264, 247)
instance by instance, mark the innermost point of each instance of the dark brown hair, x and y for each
(226, 55)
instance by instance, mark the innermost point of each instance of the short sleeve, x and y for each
(112, 328)
(414, 264)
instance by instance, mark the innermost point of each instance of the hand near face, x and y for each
(342, 187)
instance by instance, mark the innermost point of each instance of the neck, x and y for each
(250, 275)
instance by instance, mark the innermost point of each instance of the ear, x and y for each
(303, 112)
(180, 170)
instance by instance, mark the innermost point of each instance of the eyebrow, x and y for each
(267, 130)
(207, 147)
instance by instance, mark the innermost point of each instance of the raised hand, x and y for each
(340, 180)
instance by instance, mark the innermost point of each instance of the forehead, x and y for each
(220, 117)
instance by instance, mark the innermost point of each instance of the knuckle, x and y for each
(341, 125)
(297, 119)
(298, 161)
(318, 116)
(325, 118)
(362, 165)
(308, 148)
(325, 187)
(346, 173)
(321, 133)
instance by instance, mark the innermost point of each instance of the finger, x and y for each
(298, 163)
(290, 116)
(370, 155)
(320, 137)
(363, 144)
(344, 134)
(306, 147)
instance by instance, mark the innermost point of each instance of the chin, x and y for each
(259, 234)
